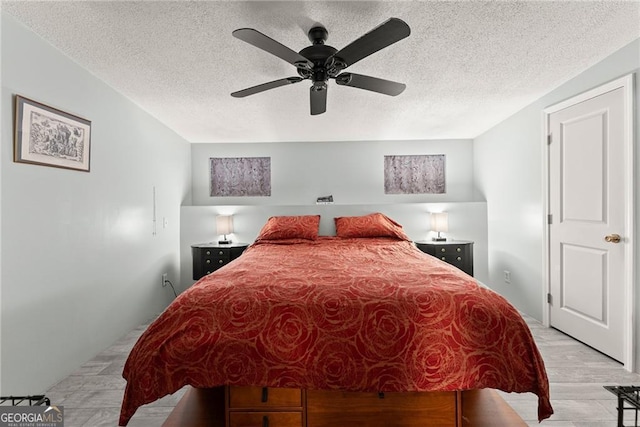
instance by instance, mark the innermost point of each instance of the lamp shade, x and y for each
(440, 222)
(224, 224)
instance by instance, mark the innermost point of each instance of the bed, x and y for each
(361, 312)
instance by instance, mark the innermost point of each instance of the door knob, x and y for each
(613, 238)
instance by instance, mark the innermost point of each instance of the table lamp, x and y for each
(439, 223)
(224, 224)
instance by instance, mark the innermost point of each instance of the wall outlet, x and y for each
(164, 279)
(507, 276)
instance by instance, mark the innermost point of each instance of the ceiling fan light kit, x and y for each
(320, 62)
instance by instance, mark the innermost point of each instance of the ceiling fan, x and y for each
(320, 62)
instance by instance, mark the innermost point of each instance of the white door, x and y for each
(589, 228)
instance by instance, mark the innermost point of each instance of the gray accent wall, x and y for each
(79, 261)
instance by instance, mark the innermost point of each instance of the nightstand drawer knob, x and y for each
(459, 249)
(221, 253)
(208, 261)
(220, 261)
(459, 259)
(443, 250)
(444, 258)
(208, 252)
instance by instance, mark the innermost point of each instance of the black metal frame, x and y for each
(626, 394)
(34, 400)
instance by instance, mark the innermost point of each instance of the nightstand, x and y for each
(208, 257)
(455, 252)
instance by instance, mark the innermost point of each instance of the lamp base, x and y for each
(224, 242)
(439, 239)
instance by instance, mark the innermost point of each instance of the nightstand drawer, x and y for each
(265, 419)
(208, 257)
(216, 254)
(258, 397)
(456, 262)
(216, 259)
(454, 255)
(457, 253)
(451, 250)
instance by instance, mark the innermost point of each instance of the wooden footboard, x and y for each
(255, 406)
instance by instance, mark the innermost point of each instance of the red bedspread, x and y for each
(370, 314)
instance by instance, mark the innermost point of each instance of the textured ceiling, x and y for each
(467, 64)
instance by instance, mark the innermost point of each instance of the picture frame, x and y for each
(46, 136)
(415, 174)
(240, 176)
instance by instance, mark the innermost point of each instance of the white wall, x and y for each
(353, 172)
(508, 171)
(80, 265)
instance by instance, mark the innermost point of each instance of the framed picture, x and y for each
(240, 176)
(47, 136)
(421, 174)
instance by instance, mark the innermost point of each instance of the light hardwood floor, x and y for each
(577, 374)
(92, 395)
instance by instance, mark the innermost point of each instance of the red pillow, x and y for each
(372, 225)
(290, 227)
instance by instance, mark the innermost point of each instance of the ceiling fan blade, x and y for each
(318, 98)
(373, 84)
(383, 35)
(268, 44)
(266, 86)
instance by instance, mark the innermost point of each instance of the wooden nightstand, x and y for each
(208, 257)
(455, 252)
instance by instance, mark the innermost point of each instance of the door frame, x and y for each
(627, 85)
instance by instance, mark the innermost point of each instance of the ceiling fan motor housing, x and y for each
(318, 54)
